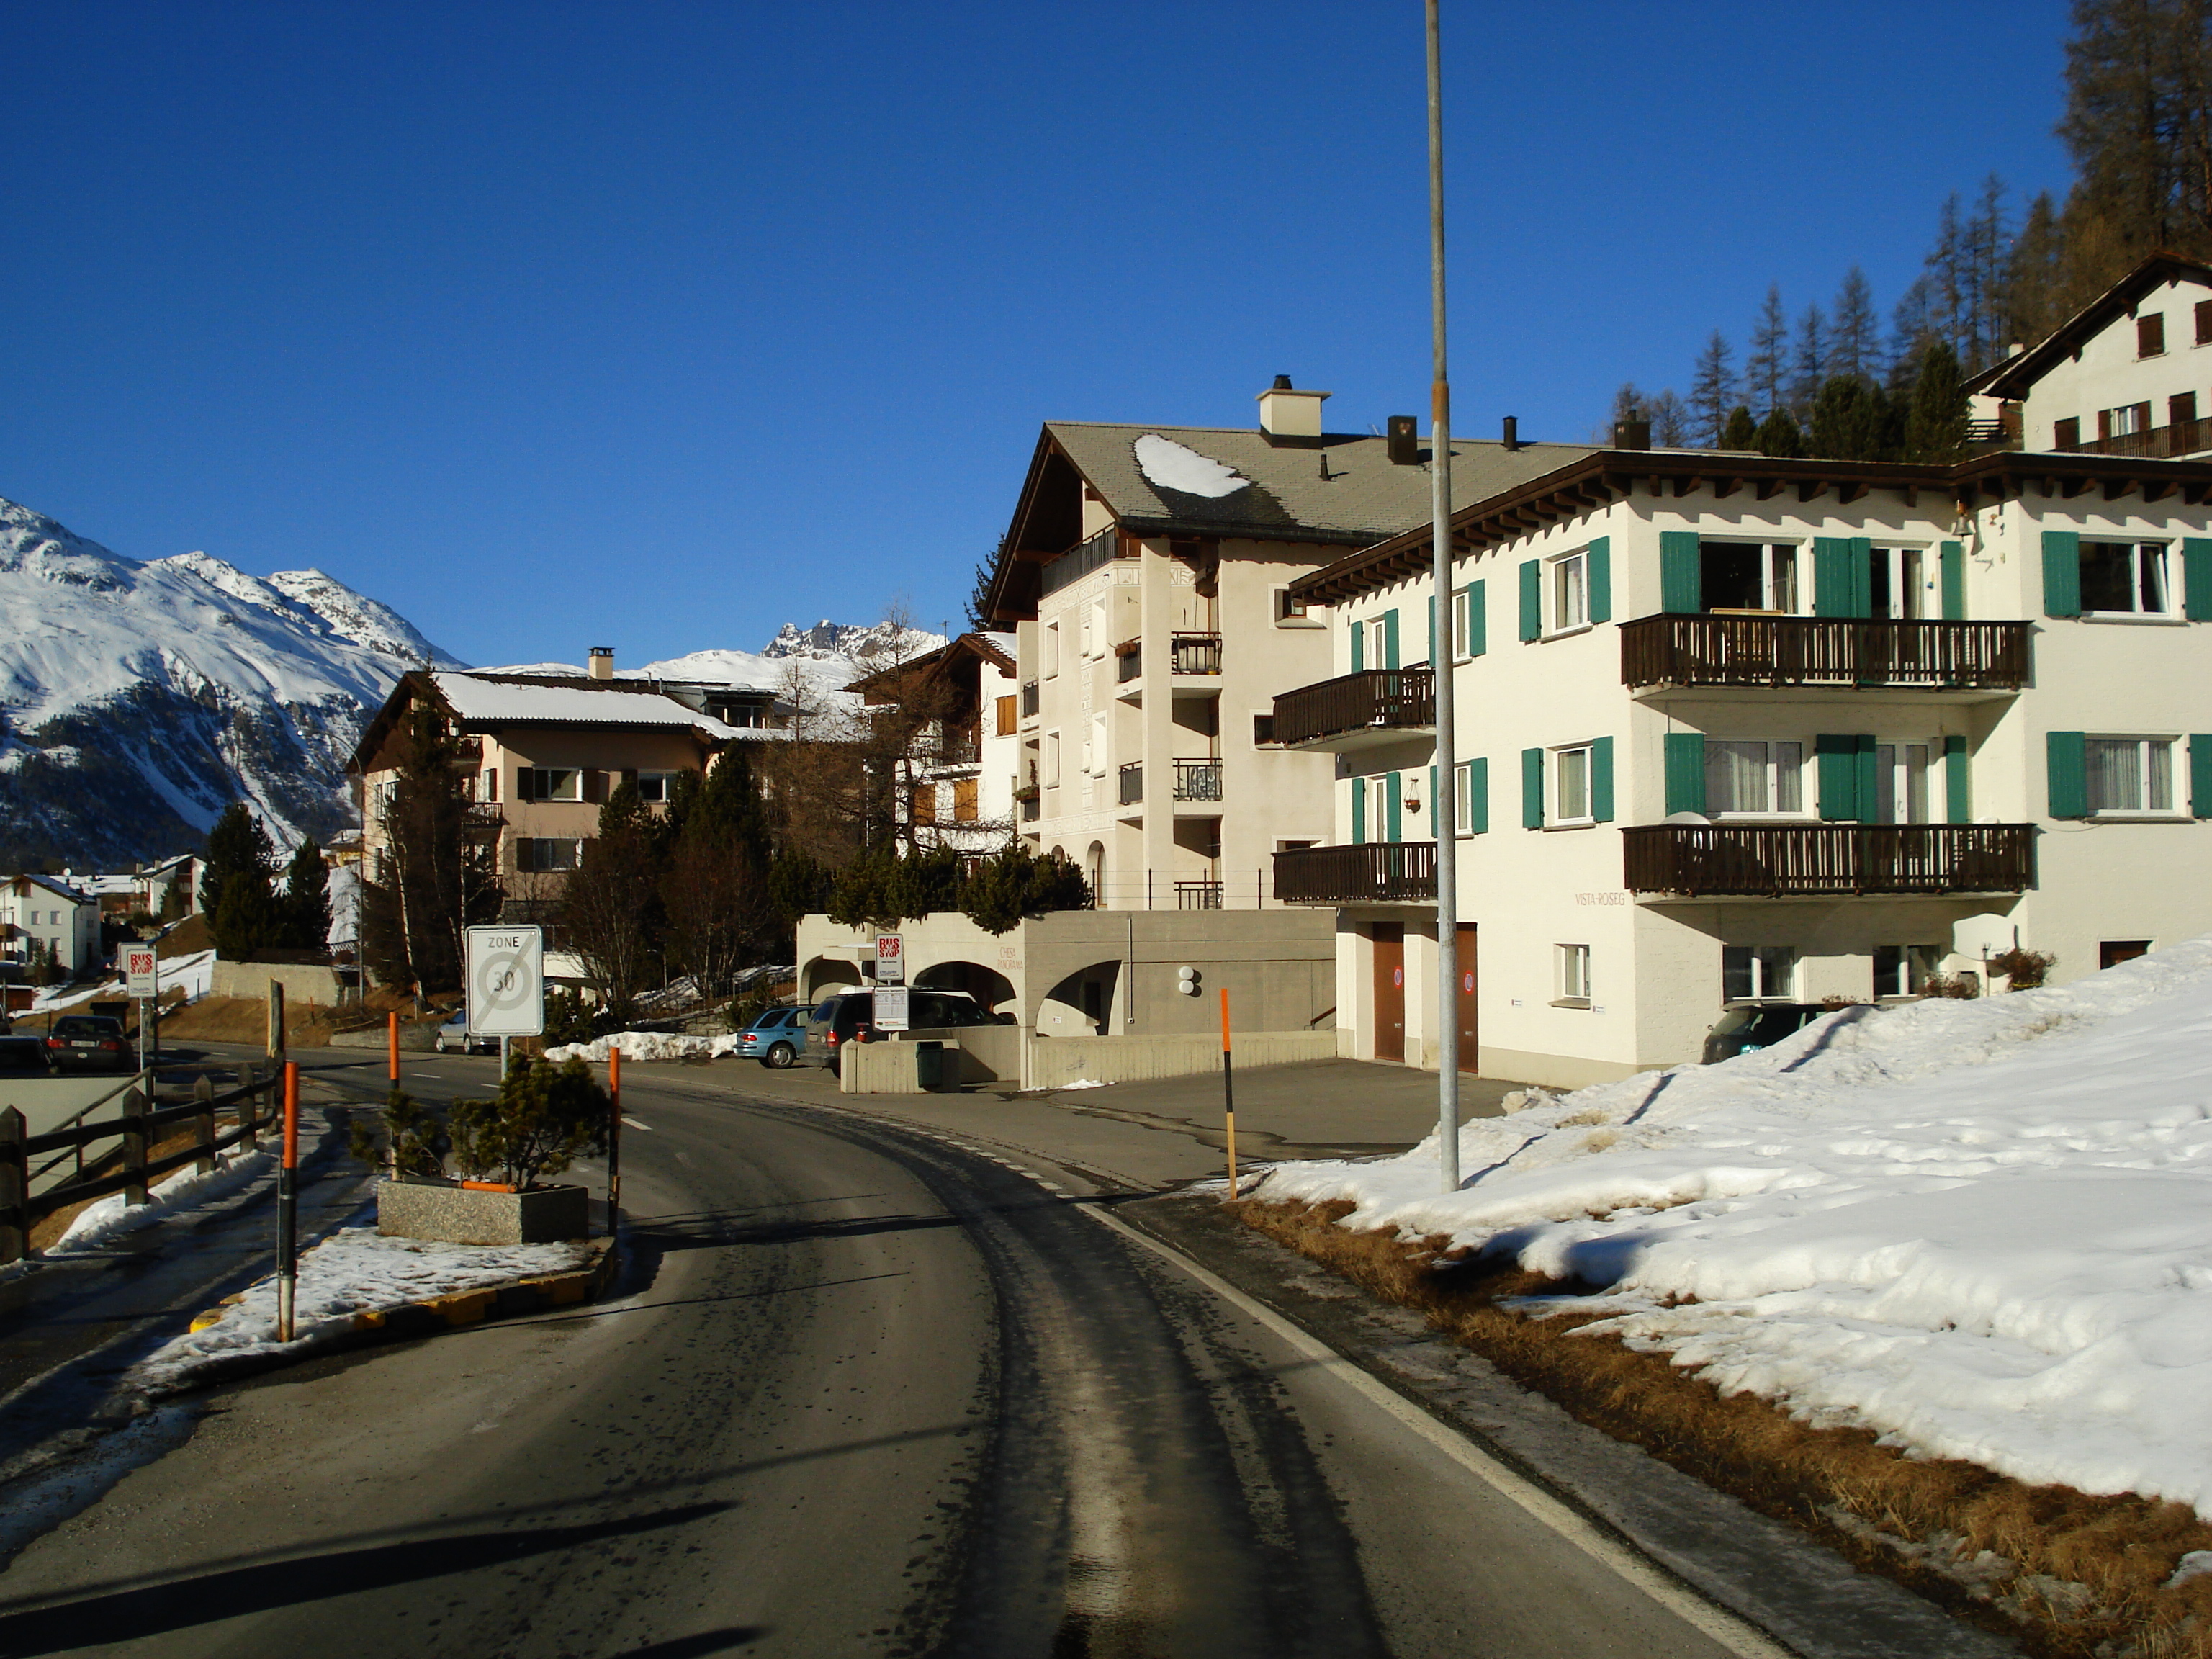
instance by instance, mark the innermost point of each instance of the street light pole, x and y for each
(1445, 809)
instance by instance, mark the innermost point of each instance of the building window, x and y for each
(964, 800)
(2150, 336)
(2111, 952)
(1288, 607)
(1052, 760)
(1757, 973)
(2130, 775)
(2124, 578)
(550, 783)
(1901, 579)
(2124, 422)
(1748, 576)
(1899, 971)
(1569, 594)
(1094, 753)
(1463, 799)
(1901, 771)
(1571, 964)
(1009, 720)
(1753, 776)
(490, 785)
(1263, 729)
(545, 855)
(1462, 619)
(1571, 785)
(1378, 641)
(1051, 650)
(655, 786)
(2181, 409)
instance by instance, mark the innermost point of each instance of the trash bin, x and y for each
(929, 1065)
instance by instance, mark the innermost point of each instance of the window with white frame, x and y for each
(1097, 762)
(1463, 799)
(2125, 578)
(1288, 607)
(1572, 969)
(554, 783)
(1052, 760)
(545, 855)
(655, 786)
(1899, 971)
(2130, 775)
(1051, 649)
(1571, 785)
(1095, 627)
(1378, 641)
(1902, 771)
(1754, 775)
(1461, 620)
(1757, 973)
(1568, 580)
(1902, 582)
(1748, 576)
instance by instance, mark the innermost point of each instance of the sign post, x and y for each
(142, 979)
(288, 1207)
(507, 983)
(890, 959)
(1228, 1093)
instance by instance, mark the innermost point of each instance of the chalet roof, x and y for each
(480, 703)
(60, 888)
(2012, 378)
(1344, 490)
(996, 649)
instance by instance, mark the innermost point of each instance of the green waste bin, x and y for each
(929, 1065)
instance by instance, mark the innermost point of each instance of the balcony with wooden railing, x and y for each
(2155, 443)
(1782, 860)
(1195, 654)
(1721, 649)
(1355, 710)
(1373, 872)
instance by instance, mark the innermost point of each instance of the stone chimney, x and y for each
(602, 661)
(1289, 416)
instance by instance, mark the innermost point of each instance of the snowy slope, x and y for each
(137, 700)
(1981, 1228)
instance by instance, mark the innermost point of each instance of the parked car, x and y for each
(775, 1038)
(24, 1056)
(452, 1037)
(1758, 1025)
(849, 1017)
(89, 1042)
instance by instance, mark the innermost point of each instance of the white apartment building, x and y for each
(48, 913)
(1733, 729)
(2130, 373)
(1148, 576)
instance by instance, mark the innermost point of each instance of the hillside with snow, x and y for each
(826, 659)
(139, 699)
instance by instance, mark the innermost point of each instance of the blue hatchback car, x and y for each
(775, 1038)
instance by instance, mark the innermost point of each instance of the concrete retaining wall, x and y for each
(302, 981)
(1055, 1063)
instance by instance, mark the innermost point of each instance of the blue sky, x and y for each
(658, 324)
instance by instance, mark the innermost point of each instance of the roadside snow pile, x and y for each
(1983, 1229)
(108, 1218)
(355, 1270)
(644, 1045)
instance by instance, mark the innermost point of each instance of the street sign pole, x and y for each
(1444, 808)
(287, 1207)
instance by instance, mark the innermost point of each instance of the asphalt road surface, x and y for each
(864, 1391)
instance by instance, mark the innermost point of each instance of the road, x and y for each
(864, 1391)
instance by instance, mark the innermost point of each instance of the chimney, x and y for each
(602, 662)
(1291, 418)
(1512, 437)
(1634, 433)
(1403, 441)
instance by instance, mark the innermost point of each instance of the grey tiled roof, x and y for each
(1364, 498)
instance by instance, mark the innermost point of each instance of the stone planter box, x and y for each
(462, 1215)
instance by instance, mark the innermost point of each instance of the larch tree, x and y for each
(1766, 364)
(1713, 390)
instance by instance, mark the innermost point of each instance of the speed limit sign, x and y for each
(506, 981)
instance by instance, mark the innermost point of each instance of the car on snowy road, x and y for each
(775, 1038)
(89, 1042)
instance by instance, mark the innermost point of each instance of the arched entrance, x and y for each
(991, 988)
(825, 974)
(1083, 1003)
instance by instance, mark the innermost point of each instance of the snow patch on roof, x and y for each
(1172, 465)
(474, 699)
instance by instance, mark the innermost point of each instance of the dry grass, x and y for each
(48, 1232)
(2074, 1575)
(246, 1019)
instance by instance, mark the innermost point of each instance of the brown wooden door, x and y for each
(1469, 1053)
(1390, 990)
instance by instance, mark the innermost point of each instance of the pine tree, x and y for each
(243, 911)
(1808, 362)
(1935, 423)
(1767, 366)
(305, 907)
(1854, 333)
(1913, 327)
(1712, 391)
(979, 594)
(2139, 124)
(2034, 273)
(1779, 436)
(1741, 432)
(1849, 420)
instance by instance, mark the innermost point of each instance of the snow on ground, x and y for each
(196, 973)
(644, 1045)
(1982, 1229)
(108, 1218)
(353, 1271)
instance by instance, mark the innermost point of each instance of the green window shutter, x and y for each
(1478, 620)
(1390, 645)
(2066, 755)
(2062, 573)
(1358, 646)
(1532, 599)
(1434, 660)
(1602, 780)
(2196, 579)
(1358, 810)
(1532, 789)
(1681, 587)
(1836, 755)
(1391, 809)
(1600, 580)
(1958, 789)
(1477, 796)
(1836, 584)
(2200, 774)
(1954, 581)
(1685, 771)
(1862, 576)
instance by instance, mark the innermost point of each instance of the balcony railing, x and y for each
(1082, 559)
(1375, 699)
(1195, 654)
(1198, 895)
(1724, 650)
(1128, 661)
(1376, 873)
(1029, 698)
(2159, 442)
(1777, 860)
(1132, 783)
(1198, 780)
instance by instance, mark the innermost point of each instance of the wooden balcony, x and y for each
(1772, 651)
(1375, 872)
(2156, 443)
(1357, 709)
(1779, 860)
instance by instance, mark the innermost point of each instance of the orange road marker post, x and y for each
(614, 1136)
(1227, 1092)
(287, 1207)
(392, 1045)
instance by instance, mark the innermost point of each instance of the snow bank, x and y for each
(107, 1218)
(353, 1271)
(644, 1045)
(196, 973)
(1983, 1229)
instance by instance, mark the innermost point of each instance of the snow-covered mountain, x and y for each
(829, 656)
(139, 699)
(869, 644)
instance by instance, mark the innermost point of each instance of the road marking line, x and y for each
(1730, 1629)
(635, 1124)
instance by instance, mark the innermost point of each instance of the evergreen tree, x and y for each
(305, 908)
(1854, 332)
(979, 593)
(243, 911)
(1808, 362)
(2034, 276)
(1849, 420)
(1741, 432)
(797, 886)
(611, 905)
(2139, 124)
(237, 846)
(1766, 365)
(1779, 436)
(1913, 327)
(1015, 882)
(1935, 420)
(1712, 392)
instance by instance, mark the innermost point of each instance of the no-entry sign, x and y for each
(506, 981)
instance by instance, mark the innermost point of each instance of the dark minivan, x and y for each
(849, 1017)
